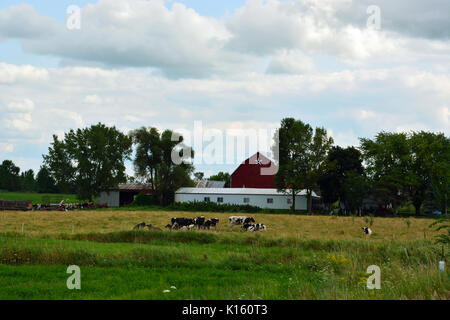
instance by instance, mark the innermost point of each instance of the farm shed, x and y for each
(122, 195)
(263, 198)
(250, 173)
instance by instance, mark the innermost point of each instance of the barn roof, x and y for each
(134, 187)
(210, 184)
(257, 159)
(237, 191)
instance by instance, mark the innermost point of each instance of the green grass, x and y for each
(140, 265)
(36, 198)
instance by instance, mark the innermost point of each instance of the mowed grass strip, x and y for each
(279, 225)
(36, 198)
(35, 269)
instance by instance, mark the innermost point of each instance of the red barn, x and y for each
(254, 173)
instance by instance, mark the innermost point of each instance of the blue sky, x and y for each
(230, 64)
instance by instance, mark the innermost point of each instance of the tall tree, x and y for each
(408, 167)
(27, 181)
(60, 164)
(153, 162)
(9, 176)
(44, 181)
(429, 169)
(294, 137)
(344, 179)
(94, 159)
(316, 164)
(387, 159)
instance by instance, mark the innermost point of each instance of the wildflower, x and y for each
(166, 291)
(173, 287)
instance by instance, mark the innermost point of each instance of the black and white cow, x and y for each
(254, 227)
(211, 223)
(239, 221)
(178, 223)
(367, 231)
(199, 222)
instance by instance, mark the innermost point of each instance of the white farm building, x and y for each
(263, 198)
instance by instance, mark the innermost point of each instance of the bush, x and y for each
(212, 207)
(145, 200)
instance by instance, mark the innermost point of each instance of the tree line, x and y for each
(389, 171)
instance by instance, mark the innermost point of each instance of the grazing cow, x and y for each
(150, 227)
(211, 223)
(139, 226)
(367, 231)
(187, 227)
(169, 226)
(254, 227)
(199, 222)
(239, 221)
(178, 223)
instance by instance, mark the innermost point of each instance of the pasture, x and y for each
(36, 198)
(298, 257)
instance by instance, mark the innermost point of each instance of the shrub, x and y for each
(212, 207)
(145, 200)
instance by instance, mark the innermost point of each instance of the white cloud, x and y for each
(24, 106)
(291, 62)
(93, 99)
(6, 148)
(179, 42)
(12, 73)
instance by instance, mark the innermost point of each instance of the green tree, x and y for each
(9, 176)
(343, 178)
(429, 169)
(388, 162)
(153, 162)
(409, 167)
(199, 176)
(61, 166)
(27, 181)
(92, 158)
(316, 164)
(44, 181)
(302, 155)
(222, 176)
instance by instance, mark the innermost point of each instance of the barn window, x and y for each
(206, 199)
(220, 200)
(269, 200)
(246, 200)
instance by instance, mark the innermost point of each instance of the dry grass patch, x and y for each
(279, 225)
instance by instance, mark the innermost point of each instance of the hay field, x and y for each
(279, 225)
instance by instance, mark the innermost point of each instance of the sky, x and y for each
(344, 65)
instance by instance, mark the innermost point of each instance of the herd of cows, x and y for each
(201, 223)
(67, 206)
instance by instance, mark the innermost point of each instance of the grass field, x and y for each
(298, 257)
(38, 197)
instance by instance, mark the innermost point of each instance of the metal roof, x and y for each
(237, 191)
(134, 187)
(210, 184)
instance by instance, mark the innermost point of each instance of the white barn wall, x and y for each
(280, 201)
(111, 198)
